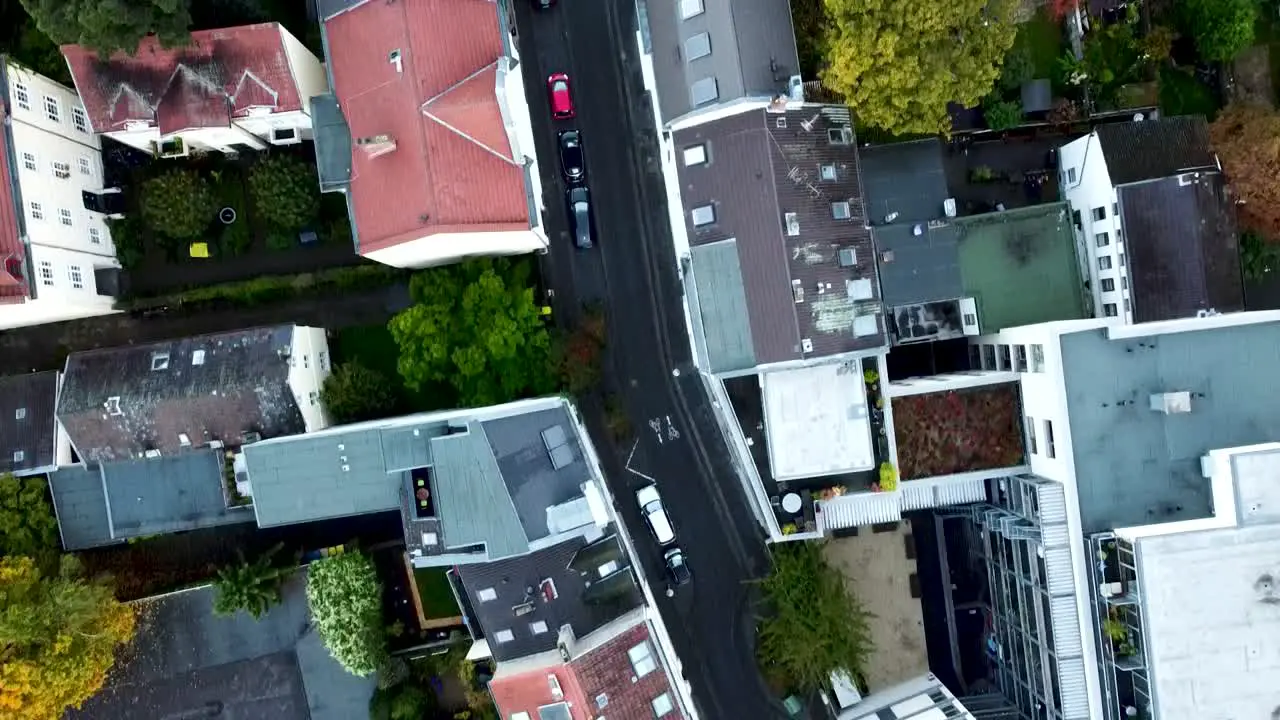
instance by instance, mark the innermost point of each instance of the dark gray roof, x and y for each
(215, 387)
(27, 426)
(517, 581)
(326, 9)
(471, 500)
(534, 484)
(186, 660)
(918, 268)
(1158, 148)
(1037, 95)
(752, 50)
(761, 167)
(904, 178)
(1182, 248)
(80, 502)
(720, 298)
(332, 143)
(1136, 466)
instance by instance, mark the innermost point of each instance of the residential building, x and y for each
(218, 390)
(231, 90)
(31, 443)
(58, 259)
(186, 660)
(709, 58)
(427, 131)
(1154, 221)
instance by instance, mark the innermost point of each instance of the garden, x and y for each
(956, 431)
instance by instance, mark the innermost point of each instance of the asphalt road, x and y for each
(632, 269)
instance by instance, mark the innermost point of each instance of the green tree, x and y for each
(250, 586)
(1257, 257)
(477, 327)
(812, 625)
(898, 63)
(1002, 114)
(402, 701)
(27, 523)
(346, 604)
(1220, 28)
(128, 237)
(285, 192)
(353, 393)
(110, 25)
(179, 204)
(58, 637)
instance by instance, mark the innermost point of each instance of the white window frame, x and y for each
(46, 273)
(1049, 449)
(702, 83)
(30, 161)
(36, 210)
(841, 210)
(79, 119)
(695, 155)
(662, 705)
(95, 236)
(504, 636)
(1071, 175)
(641, 657)
(1101, 239)
(1032, 445)
(52, 108)
(691, 8)
(22, 95)
(1105, 263)
(1110, 310)
(60, 170)
(19, 455)
(76, 277)
(1099, 213)
(703, 215)
(827, 173)
(64, 217)
(86, 166)
(697, 46)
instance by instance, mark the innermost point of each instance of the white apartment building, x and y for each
(58, 259)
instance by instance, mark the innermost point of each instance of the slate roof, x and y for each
(757, 172)
(217, 75)
(1183, 247)
(904, 178)
(919, 268)
(215, 387)
(1155, 148)
(185, 660)
(13, 268)
(453, 168)
(1135, 466)
(520, 580)
(752, 50)
(27, 423)
(105, 504)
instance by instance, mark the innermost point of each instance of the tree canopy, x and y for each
(179, 204)
(898, 63)
(353, 393)
(285, 192)
(477, 327)
(250, 586)
(110, 25)
(1220, 28)
(27, 523)
(346, 604)
(1247, 140)
(58, 636)
(812, 626)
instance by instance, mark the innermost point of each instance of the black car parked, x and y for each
(580, 216)
(571, 161)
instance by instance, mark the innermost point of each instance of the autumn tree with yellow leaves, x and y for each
(58, 638)
(897, 63)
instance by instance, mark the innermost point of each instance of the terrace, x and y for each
(1017, 171)
(958, 431)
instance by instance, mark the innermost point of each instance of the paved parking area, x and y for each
(879, 573)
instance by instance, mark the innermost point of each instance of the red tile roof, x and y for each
(184, 87)
(452, 169)
(603, 675)
(12, 288)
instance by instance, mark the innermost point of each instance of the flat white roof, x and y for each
(816, 421)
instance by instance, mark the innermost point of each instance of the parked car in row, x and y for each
(655, 515)
(572, 162)
(561, 96)
(580, 216)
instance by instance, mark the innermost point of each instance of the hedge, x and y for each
(275, 288)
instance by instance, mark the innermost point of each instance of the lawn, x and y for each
(943, 433)
(438, 602)
(375, 348)
(1041, 39)
(1181, 93)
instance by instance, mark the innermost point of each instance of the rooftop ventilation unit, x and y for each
(792, 222)
(1171, 403)
(556, 441)
(806, 345)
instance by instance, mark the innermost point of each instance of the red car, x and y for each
(561, 98)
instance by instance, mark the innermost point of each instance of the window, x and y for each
(970, 320)
(1037, 358)
(159, 361)
(504, 636)
(487, 594)
(642, 661)
(324, 360)
(1099, 213)
(76, 277)
(313, 396)
(538, 628)
(64, 216)
(1126, 305)
(1048, 438)
(1109, 309)
(1020, 358)
(46, 273)
(1115, 208)
(52, 109)
(522, 715)
(780, 122)
(703, 215)
(690, 8)
(61, 170)
(20, 94)
(1102, 239)
(37, 212)
(698, 46)
(704, 91)
(1031, 436)
(29, 161)
(792, 222)
(828, 172)
(197, 357)
(79, 120)
(95, 236)
(695, 155)
(840, 210)
(1124, 283)
(20, 414)
(284, 135)
(19, 456)
(1104, 262)
(86, 166)
(662, 705)
(1075, 218)
(840, 136)
(1121, 260)
(1071, 175)
(1108, 285)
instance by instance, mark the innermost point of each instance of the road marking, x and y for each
(672, 432)
(628, 464)
(655, 424)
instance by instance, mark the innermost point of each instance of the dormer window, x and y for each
(160, 361)
(112, 406)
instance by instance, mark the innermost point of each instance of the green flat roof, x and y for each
(1021, 267)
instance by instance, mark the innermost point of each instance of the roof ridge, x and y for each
(478, 73)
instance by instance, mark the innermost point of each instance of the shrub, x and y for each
(345, 598)
(248, 293)
(179, 204)
(1220, 28)
(280, 239)
(250, 586)
(128, 236)
(1002, 114)
(286, 192)
(354, 393)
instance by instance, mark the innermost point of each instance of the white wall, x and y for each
(309, 365)
(1092, 190)
(519, 126)
(445, 248)
(260, 126)
(307, 70)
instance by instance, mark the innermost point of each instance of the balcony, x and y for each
(1118, 618)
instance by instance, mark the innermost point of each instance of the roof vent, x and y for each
(394, 58)
(793, 223)
(152, 454)
(377, 145)
(113, 406)
(806, 345)
(197, 357)
(1171, 403)
(184, 440)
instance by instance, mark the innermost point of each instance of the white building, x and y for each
(921, 698)
(229, 90)
(1155, 230)
(58, 259)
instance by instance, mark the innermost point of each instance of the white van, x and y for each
(655, 515)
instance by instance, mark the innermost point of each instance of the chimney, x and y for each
(777, 104)
(377, 145)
